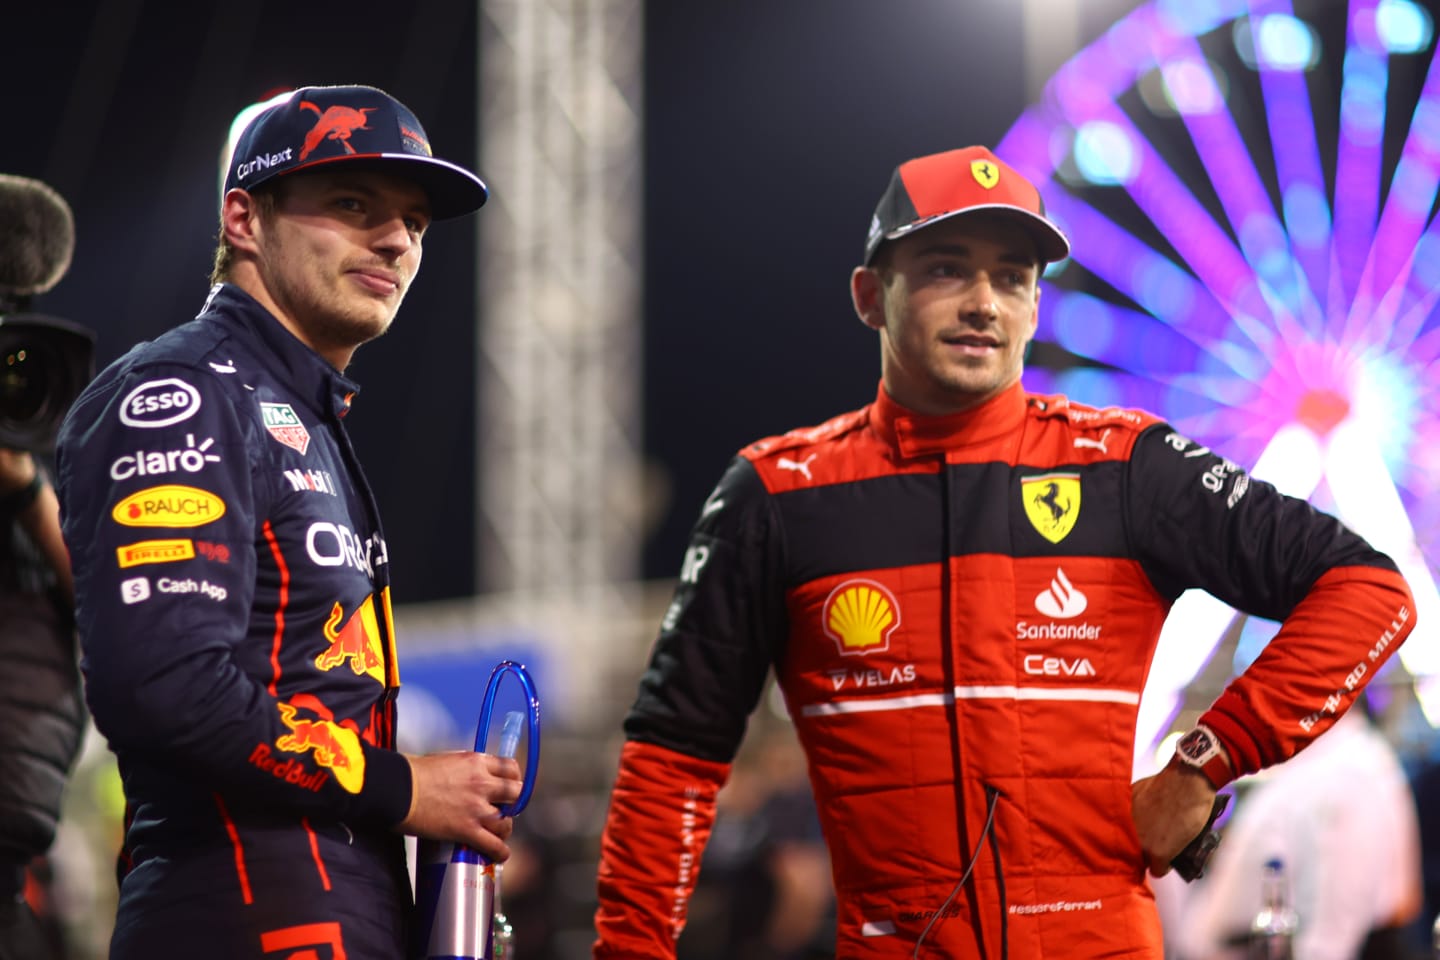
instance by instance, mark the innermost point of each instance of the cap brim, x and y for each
(453, 190)
(1050, 243)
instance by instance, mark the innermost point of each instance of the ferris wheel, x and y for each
(1251, 189)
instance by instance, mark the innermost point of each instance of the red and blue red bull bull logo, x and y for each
(333, 746)
(356, 642)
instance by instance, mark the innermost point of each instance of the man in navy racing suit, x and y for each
(231, 571)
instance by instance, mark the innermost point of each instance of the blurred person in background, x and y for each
(42, 714)
(959, 588)
(1341, 818)
(764, 890)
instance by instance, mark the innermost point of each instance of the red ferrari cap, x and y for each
(927, 190)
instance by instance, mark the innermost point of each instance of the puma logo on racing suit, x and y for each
(801, 466)
(1093, 444)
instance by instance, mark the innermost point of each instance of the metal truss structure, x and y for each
(559, 368)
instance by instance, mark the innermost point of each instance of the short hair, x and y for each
(266, 197)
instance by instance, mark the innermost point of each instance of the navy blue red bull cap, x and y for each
(321, 125)
(927, 190)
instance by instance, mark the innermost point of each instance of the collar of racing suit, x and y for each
(918, 435)
(322, 387)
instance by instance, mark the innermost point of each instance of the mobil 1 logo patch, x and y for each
(159, 403)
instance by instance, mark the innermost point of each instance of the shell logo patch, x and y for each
(985, 173)
(860, 615)
(1052, 502)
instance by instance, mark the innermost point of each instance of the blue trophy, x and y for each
(457, 891)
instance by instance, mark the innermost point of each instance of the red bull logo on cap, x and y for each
(357, 642)
(335, 123)
(335, 747)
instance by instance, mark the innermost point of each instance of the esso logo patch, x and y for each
(159, 403)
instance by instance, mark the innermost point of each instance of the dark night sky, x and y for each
(771, 128)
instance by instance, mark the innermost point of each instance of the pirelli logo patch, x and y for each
(1052, 502)
(155, 551)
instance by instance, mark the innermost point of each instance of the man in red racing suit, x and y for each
(960, 588)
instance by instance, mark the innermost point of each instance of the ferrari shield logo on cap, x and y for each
(1052, 502)
(985, 173)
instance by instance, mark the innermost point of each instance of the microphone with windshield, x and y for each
(44, 361)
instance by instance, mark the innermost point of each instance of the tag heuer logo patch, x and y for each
(285, 426)
(1052, 502)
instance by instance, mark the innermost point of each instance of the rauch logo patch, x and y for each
(170, 505)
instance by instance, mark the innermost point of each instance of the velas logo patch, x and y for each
(335, 123)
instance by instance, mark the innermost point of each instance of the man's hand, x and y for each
(41, 518)
(17, 469)
(1170, 809)
(456, 797)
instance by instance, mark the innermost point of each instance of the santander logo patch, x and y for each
(1063, 600)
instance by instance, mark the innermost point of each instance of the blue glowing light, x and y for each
(1307, 214)
(1104, 154)
(1403, 26)
(1285, 43)
(1190, 86)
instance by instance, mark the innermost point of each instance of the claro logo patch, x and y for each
(159, 403)
(170, 505)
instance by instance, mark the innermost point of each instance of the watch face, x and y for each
(1197, 746)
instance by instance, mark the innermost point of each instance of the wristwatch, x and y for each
(1201, 749)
